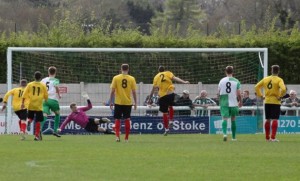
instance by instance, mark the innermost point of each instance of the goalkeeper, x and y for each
(79, 116)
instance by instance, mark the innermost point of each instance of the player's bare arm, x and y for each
(151, 94)
(4, 106)
(134, 98)
(57, 91)
(177, 79)
(112, 94)
(23, 105)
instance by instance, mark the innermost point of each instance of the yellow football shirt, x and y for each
(274, 89)
(163, 81)
(123, 85)
(17, 98)
(35, 92)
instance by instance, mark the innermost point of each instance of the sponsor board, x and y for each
(244, 125)
(142, 125)
(289, 125)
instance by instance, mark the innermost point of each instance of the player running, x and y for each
(52, 103)
(35, 92)
(163, 81)
(16, 103)
(230, 101)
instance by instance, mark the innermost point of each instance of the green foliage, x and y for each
(178, 16)
(141, 15)
(284, 46)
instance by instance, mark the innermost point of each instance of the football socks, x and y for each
(224, 127)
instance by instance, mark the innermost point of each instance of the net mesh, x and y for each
(100, 67)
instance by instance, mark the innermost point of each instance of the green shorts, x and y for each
(229, 111)
(50, 105)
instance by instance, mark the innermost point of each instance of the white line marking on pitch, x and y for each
(33, 163)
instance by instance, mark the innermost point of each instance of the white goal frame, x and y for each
(10, 50)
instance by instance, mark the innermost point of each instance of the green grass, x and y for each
(149, 157)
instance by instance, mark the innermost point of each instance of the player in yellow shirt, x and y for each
(122, 86)
(164, 81)
(35, 92)
(16, 103)
(274, 89)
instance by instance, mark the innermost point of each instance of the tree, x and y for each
(179, 15)
(141, 15)
(229, 13)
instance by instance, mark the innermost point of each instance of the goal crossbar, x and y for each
(51, 49)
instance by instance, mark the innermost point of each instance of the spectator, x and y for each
(282, 101)
(246, 102)
(176, 98)
(184, 100)
(292, 101)
(203, 101)
(285, 96)
(217, 101)
(257, 101)
(152, 102)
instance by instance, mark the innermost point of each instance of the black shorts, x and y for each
(91, 126)
(38, 115)
(165, 102)
(272, 111)
(122, 111)
(22, 114)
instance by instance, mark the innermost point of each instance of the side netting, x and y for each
(92, 69)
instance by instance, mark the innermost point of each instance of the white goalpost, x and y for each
(92, 69)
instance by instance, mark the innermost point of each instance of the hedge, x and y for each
(283, 46)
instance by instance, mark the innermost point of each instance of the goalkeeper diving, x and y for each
(79, 116)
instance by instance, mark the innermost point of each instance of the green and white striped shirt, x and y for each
(203, 101)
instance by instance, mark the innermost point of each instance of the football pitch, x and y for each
(149, 157)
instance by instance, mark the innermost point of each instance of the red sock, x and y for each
(171, 113)
(166, 120)
(117, 125)
(267, 129)
(127, 128)
(20, 125)
(37, 129)
(274, 128)
(23, 127)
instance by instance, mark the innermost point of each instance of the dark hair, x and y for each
(275, 69)
(229, 69)
(23, 82)
(72, 105)
(246, 91)
(52, 70)
(37, 75)
(161, 68)
(125, 67)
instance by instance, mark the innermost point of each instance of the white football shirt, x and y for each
(51, 83)
(228, 87)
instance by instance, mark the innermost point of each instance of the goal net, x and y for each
(92, 69)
